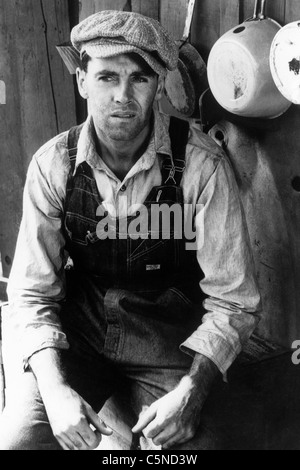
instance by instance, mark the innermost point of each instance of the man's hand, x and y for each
(175, 418)
(74, 423)
(172, 419)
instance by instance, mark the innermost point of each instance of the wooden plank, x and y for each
(86, 8)
(43, 78)
(229, 15)
(12, 172)
(147, 7)
(206, 26)
(55, 15)
(247, 8)
(73, 12)
(89, 7)
(276, 10)
(173, 15)
(292, 11)
(39, 99)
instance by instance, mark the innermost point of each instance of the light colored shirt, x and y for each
(37, 281)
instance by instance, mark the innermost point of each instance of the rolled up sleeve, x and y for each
(37, 283)
(233, 301)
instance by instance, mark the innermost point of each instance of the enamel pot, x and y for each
(239, 71)
(285, 61)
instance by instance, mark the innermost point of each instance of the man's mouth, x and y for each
(123, 115)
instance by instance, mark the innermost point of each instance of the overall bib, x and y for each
(131, 299)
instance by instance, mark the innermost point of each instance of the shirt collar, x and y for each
(159, 144)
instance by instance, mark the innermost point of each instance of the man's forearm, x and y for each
(47, 368)
(71, 418)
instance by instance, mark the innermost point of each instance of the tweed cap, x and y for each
(110, 33)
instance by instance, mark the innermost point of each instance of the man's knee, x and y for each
(25, 439)
(25, 434)
(24, 424)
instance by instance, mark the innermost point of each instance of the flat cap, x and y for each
(110, 33)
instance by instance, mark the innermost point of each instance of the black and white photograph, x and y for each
(149, 227)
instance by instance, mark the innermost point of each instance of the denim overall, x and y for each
(131, 300)
(130, 304)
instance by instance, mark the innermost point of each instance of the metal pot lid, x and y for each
(285, 61)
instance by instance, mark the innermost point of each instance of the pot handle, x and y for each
(188, 21)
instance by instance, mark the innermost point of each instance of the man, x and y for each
(127, 311)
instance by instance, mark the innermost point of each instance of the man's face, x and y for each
(120, 93)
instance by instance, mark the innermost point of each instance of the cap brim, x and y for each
(102, 51)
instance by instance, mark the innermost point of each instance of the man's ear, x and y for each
(160, 88)
(81, 83)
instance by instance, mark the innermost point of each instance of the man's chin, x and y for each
(123, 134)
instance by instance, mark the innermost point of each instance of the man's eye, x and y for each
(106, 78)
(139, 79)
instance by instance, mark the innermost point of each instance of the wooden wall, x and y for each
(39, 99)
(41, 102)
(214, 17)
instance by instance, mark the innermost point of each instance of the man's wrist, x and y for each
(201, 376)
(47, 368)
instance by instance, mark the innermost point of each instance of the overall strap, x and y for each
(173, 167)
(73, 137)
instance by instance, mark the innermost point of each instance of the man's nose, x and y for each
(123, 93)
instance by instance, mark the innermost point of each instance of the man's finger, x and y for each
(165, 435)
(174, 441)
(91, 438)
(62, 444)
(144, 420)
(70, 442)
(78, 441)
(153, 429)
(98, 423)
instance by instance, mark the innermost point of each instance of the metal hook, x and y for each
(255, 16)
(262, 15)
(259, 11)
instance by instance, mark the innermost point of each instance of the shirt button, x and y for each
(123, 188)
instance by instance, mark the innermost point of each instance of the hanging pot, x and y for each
(184, 86)
(285, 61)
(239, 69)
(180, 90)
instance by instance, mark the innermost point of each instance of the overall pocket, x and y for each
(80, 229)
(154, 257)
